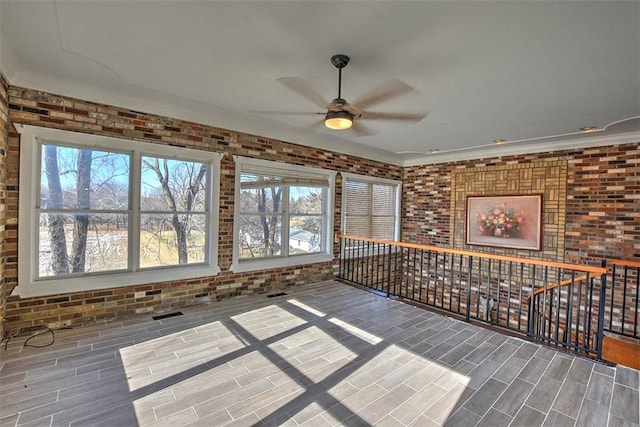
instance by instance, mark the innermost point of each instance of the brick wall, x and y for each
(602, 205)
(43, 109)
(602, 218)
(4, 129)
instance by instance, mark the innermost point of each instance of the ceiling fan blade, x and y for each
(361, 130)
(385, 92)
(318, 124)
(398, 117)
(287, 113)
(304, 89)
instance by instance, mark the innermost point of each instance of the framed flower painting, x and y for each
(508, 221)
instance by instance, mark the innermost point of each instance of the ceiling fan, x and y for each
(342, 115)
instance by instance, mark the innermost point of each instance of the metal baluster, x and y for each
(510, 281)
(590, 292)
(342, 258)
(421, 276)
(377, 258)
(613, 293)
(570, 302)
(435, 287)
(577, 341)
(428, 276)
(624, 297)
(603, 291)
(497, 302)
(520, 297)
(468, 313)
(460, 281)
(635, 327)
(451, 270)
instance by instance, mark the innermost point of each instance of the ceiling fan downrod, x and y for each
(339, 61)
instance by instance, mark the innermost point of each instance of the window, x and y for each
(283, 215)
(371, 207)
(98, 212)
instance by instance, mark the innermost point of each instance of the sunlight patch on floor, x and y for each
(354, 330)
(160, 358)
(268, 321)
(401, 384)
(256, 363)
(250, 383)
(306, 307)
(313, 352)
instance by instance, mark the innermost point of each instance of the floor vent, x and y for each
(164, 316)
(279, 294)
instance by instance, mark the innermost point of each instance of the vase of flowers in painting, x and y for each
(501, 221)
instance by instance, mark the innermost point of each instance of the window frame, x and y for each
(371, 180)
(245, 265)
(31, 137)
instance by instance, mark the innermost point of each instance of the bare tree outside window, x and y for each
(173, 211)
(265, 211)
(261, 222)
(75, 221)
(281, 214)
(58, 246)
(99, 212)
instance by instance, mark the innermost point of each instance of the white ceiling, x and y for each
(530, 72)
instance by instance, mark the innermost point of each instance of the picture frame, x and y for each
(504, 221)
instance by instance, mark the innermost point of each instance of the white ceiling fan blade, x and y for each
(361, 130)
(385, 92)
(286, 113)
(304, 89)
(399, 117)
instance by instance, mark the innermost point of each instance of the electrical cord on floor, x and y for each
(45, 330)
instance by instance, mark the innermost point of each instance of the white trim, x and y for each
(28, 238)
(180, 108)
(368, 178)
(521, 148)
(277, 262)
(272, 263)
(305, 171)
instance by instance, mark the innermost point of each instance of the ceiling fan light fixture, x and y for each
(338, 120)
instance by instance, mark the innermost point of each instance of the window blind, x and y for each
(370, 208)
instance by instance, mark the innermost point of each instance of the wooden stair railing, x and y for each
(562, 325)
(406, 271)
(484, 255)
(558, 285)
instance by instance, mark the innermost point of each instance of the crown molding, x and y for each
(183, 109)
(496, 151)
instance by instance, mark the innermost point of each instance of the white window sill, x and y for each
(93, 283)
(272, 263)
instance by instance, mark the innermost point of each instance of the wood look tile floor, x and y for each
(322, 355)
